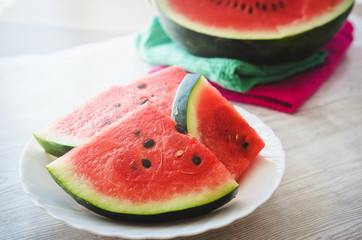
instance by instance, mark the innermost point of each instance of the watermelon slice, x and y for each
(262, 31)
(142, 168)
(204, 113)
(107, 107)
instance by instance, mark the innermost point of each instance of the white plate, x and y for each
(257, 185)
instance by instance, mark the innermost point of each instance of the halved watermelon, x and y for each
(141, 168)
(107, 107)
(253, 30)
(204, 113)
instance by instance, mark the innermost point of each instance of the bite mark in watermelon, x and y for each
(141, 168)
(107, 107)
(263, 31)
(204, 113)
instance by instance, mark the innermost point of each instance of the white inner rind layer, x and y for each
(49, 134)
(79, 186)
(191, 116)
(294, 28)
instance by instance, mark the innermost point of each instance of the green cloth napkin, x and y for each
(155, 47)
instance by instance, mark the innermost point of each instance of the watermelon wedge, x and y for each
(204, 113)
(107, 107)
(142, 168)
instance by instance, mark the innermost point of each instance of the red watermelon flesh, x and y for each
(110, 105)
(231, 139)
(142, 165)
(113, 103)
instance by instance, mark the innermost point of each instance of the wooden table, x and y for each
(320, 196)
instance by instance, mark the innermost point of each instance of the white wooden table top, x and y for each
(320, 196)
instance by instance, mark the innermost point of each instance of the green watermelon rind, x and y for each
(183, 109)
(183, 207)
(54, 148)
(291, 47)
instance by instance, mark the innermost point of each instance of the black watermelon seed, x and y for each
(235, 5)
(179, 128)
(281, 4)
(196, 159)
(245, 145)
(243, 6)
(219, 3)
(117, 105)
(136, 134)
(257, 4)
(265, 7)
(143, 101)
(149, 143)
(141, 86)
(274, 7)
(250, 10)
(146, 163)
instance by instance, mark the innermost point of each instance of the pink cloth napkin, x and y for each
(289, 94)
